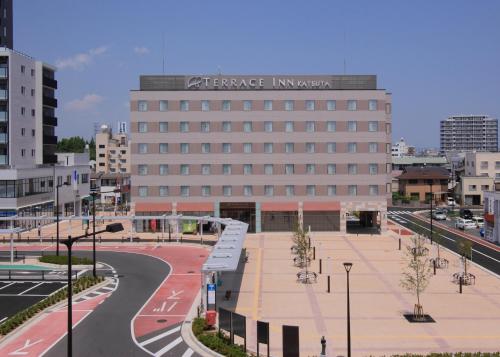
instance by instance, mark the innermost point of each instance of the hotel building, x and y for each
(273, 151)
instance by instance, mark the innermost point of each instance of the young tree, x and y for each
(464, 247)
(417, 275)
(438, 240)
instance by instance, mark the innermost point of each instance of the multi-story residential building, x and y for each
(469, 133)
(402, 149)
(273, 151)
(482, 164)
(112, 151)
(6, 28)
(422, 183)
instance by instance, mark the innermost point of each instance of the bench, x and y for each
(307, 277)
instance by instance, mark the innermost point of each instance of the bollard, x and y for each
(309, 241)
(320, 265)
(100, 239)
(399, 243)
(434, 264)
(323, 347)
(181, 238)
(460, 284)
(328, 284)
(43, 274)
(314, 253)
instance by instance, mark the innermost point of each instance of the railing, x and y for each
(3, 116)
(4, 72)
(4, 94)
(49, 82)
(49, 101)
(48, 120)
(4, 138)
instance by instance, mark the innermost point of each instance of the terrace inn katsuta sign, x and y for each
(220, 82)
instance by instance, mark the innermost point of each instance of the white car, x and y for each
(478, 221)
(464, 224)
(439, 215)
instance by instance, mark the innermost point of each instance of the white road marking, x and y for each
(106, 288)
(27, 344)
(6, 286)
(2, 320)
(160, 309)
(189, 352)
(498, 261)
(168, 347)
(171, 307)
(174, 294)
(25, 291)
(160, 336)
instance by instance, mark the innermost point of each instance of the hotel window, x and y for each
(352, 147)
(143, 191)
(288, 105)
(311, 190)
(247, 148)
(247, 105)
(310, 126)
(269, 190)
(184, 169)
(331, 105)
(247, 191)
(310, 105)
(226, 105)
(205, 105)
(289, 169)
(142, 169)
(163, 191)
(226, 169)
(268, 148)
(143, 148)
(226, 148)
(247, 169)
(163, 148)
(184, 126)
(372, 104)
(373, 126)
(184, 191)
(268, 169)
(388, 128)
(289, 148)
(163, 170)
(163, 105)
(163, 127)
(289, 126)
(331, 148)
(268, 126)
(352, 126)
(227, 190)
(373, 169)
(290, 190)
(142, 106)
(387, 148)
(184, 104)
(331, 169)
(247, 126)
(206, 191)
(352, 105)
(372, 147)
(268, 105)
(205, 148)
(352, 169)
(310, 169)
(388, 108)
(205, 126)
(373, 190)
(310, 148)
(226, 126)
(184, 148)
(352, 190)
(332, 190)
(205, 169)
(331, 126)
(388, 168)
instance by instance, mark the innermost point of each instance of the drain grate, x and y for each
(161, 321)
(202, 256)
(191, 272)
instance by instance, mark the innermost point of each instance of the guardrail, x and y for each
(29, 274)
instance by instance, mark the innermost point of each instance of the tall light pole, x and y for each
(57, 214)
(348, 267)
(430, 185)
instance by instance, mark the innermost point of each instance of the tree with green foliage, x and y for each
(92, 148)
(72, 144)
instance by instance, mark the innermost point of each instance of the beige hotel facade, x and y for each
(271, 150)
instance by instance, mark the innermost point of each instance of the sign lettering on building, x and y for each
(234, 83)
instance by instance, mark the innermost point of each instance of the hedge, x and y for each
(63, 260)
(19, 318)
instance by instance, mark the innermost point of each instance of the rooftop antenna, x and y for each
(163, 52)
(345, 64)
(219, 70)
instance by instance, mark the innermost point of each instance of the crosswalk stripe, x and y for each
(168, 347)
(189, 352)
(160, 336)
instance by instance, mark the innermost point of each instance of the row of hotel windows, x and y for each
(248, 169)
(248, 126)
(288, 105)
(269, 148)
(206, 191)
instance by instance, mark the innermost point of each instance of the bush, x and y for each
(63, 260)
(199, 325)
(221, 344)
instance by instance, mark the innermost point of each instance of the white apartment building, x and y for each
(112, 151)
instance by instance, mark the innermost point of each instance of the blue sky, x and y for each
(437, 57)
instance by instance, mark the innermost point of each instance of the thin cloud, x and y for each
(80, 60)
(141, 50)
(89, 101)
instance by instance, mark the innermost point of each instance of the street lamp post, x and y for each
(430, 184)
(348, 267)
(57, 214)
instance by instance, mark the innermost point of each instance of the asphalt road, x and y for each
(482, 255)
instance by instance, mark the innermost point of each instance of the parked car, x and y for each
(466, 213)
(481, 232)
(478, 221)
(464, 224)
(440, 215)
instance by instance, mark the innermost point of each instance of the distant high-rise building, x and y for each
(469, 133)
(6, 24)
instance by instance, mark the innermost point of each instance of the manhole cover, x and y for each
(191, 272)
(161, 321)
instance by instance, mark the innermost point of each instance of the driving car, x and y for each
(439, 215)
(466, 213)
(464, 224)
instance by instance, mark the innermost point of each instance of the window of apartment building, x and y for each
(373, 190)
(332, 190)
(331, 126)
(331, 147)
(226, 148)
(268, 105)
(352, 190)
(143, 191)
(373, 169)
(310, 126)
(247, 148)
(352, 147)
(352, 169)
(289, 169)
(23, 131)
(142, 105)
(32, 152)
(497, 165)
(352, 105)
(310, 169)
(388, 168)
(268, 169)
(142, 127)
(23, 152)
(205, 105)
(206, 191)
(247, 169)
(310, 105)
(85, 178)
(163, 191)
(226, 169)
(247, 105)
(331, 169)
(32, 92)
(331, 105)
(163, 169)
(247, 126)
(387, 148)
(184, 148)
(289, 148)
(226, 126)
(372, 104)
(163, 127)
(184, 191)
(387, 128)
(289, 126)
(311, 190)
(23, 110)
(268, 148)
(472, 187)
(227, 190)
(184, 126)
(247, 190)
(269, 190)
(23, 68)
(485, 187)
(184, 168)
(310, 148)
(32, 71)
(32, 112)
(289, 104)
(163, 148)
(143, 148)
(484, 165)
(184, 105)
(290, 190)
(352, 126)
(373, 126)
(102, 146)
(372, 147)
(205, 169)
(102, 155)
(142, 169)
(268, 126)
(388, 108)
(205, 127)
(23, 90)
(226, 105)
(205, 148)
(163, 105)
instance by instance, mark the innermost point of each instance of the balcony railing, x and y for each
(49, 159)
(49, 82)
(3, 116)
(48, 101)
(4, 72)
(4, 138)
(48, 120)
(49, 140)
(4, 94)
